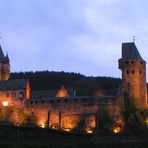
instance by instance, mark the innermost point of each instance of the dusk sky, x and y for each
(82, 36)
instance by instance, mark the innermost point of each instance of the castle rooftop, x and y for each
(130, 52)
(2, 57)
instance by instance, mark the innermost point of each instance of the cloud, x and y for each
(75, 35)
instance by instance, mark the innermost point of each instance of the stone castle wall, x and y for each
(134, 81)
(70, 113)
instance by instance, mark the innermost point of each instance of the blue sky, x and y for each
(82, 36)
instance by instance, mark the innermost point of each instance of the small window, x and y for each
(36, 102)
(128, 84)
(66, 100)
(132, 62)
(140, 72)
(127, 72)
(43, 101)
(126, 62)
(31, 102)
(133, 71)
(141, 62)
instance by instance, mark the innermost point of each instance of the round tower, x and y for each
(133, 69)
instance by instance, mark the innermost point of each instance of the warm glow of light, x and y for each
(54, 127)
(17, 124)
(28, 91)
(67, 129)
(62, 92)
(117, 130)
(89, 131)
(146, 121)
(42, 125)
(5, 103)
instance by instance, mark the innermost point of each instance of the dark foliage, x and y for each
(88, 85)
(27, 137)
(45, 80)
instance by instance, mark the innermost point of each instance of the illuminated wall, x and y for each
(72, 113)
(28, 89)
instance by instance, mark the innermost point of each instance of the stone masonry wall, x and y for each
(134, 81)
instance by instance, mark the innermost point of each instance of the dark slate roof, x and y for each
(2, 57)
(130, 51)
(17, 84)
(43, 94)
(47, 94)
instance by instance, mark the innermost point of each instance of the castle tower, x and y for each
(4, 66)
(133, 69)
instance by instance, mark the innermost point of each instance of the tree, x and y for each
(32, 120)
(22, 117)
(7, 114)
(105, 119)
(134, 117)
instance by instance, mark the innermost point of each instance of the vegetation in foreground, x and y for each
(27, 137)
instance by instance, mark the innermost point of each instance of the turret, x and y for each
(7, 60)
(4, 66)
(133, 69)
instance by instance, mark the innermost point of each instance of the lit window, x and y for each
(5, 103)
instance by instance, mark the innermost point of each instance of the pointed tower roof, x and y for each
(130, 52)
(2, 57)
(7, 60)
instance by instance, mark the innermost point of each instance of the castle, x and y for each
(61, 109)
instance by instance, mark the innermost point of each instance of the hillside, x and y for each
(45, 80)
